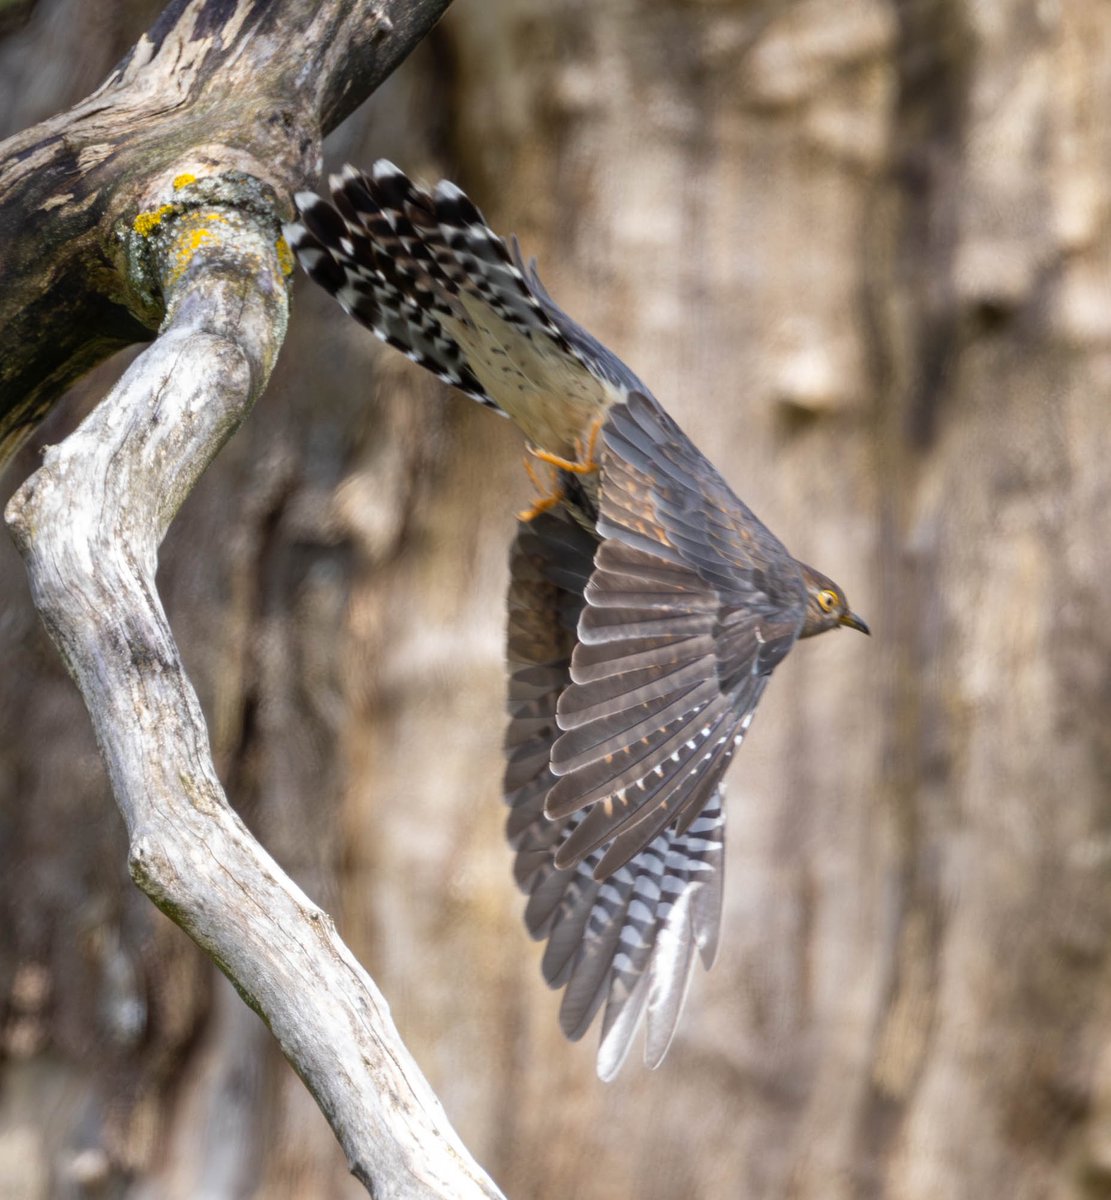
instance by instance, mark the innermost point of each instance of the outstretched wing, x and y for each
(691, 605)
(627, 942)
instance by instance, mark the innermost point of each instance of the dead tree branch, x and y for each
(157, 202)
(244, 87)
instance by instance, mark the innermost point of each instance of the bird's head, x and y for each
(826, 606)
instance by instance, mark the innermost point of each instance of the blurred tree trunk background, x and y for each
(862, 252)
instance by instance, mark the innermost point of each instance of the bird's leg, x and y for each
(550, 494)
(584, 462)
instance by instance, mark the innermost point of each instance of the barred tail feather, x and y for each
(398, 257)
(424, 272)
(369, 253)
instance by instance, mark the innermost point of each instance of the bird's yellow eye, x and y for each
(827, 600)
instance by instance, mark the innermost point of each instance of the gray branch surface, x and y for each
(171, 229)
(239, 86)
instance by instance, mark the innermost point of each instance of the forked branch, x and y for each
(187, 233)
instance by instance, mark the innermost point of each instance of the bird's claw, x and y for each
(550, 494)
(584, 462)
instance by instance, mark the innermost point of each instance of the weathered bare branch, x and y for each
(89, 524)
(157, 202)
(246, 87)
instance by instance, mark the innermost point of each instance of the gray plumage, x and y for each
(647, 607)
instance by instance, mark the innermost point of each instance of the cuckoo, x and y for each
(648, 605)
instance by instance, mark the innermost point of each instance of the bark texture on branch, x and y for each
(160, 198)
(89, 523)
(242, 87)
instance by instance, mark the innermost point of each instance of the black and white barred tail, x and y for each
(372, 249)
(412, 265)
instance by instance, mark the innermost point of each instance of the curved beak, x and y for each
(854, 622)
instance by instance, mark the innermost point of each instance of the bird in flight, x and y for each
(648, 605)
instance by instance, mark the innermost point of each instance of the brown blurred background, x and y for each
(862, 252)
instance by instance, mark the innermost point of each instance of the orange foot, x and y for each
(550, 494)
(584, 462)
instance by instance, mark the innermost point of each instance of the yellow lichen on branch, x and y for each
(193, 234)
(147, 222)
(285, 256)
(183, 180)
